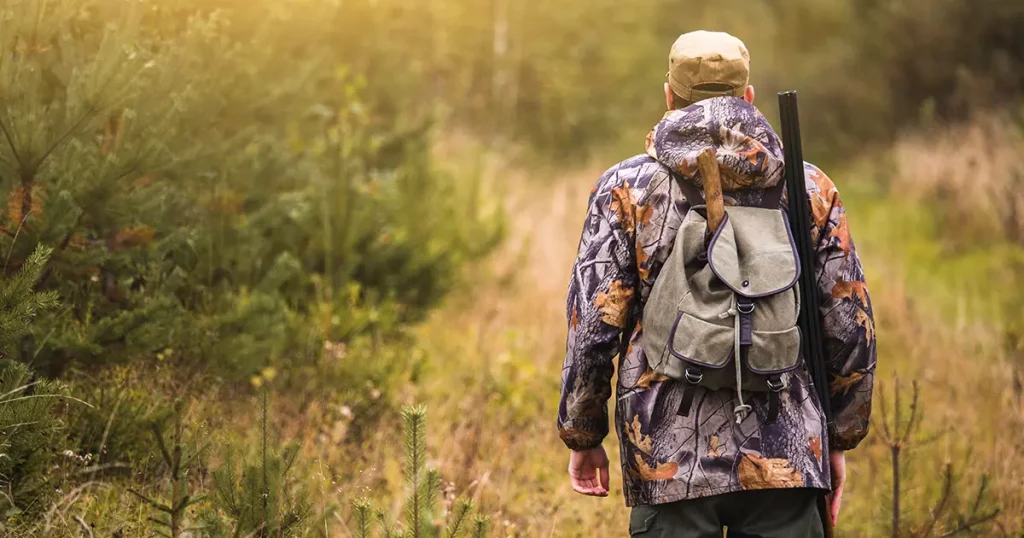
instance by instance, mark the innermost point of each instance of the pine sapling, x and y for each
(457, 519)
(898, 437)
(178, 460)
(423, 490)
(362, 508)
(481, 526)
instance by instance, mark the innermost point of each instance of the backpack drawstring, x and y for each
(742, 409)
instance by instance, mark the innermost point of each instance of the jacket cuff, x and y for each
(842, 444)
(583, 433)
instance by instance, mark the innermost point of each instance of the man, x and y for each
(691, 474)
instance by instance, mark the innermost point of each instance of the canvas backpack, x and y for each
(722, 313)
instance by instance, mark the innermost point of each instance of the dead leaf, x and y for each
(815, 444)
(864, 320)
(135, 236)
(581, 402)
(644, 214)
(614, 305)
(661, 471)
(17, 200)
(641, 261)
(648, 377)
(715, 448)
(635, 436)
(649, 145)
(623, 205)
(821, 201)
(844, 383)
(756, 472)
(846, 290)
(78, 242)
(842, 232)
(574, 320)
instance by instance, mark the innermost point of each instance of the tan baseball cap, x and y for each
(705, 64)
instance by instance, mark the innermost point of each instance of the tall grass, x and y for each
(496, 349)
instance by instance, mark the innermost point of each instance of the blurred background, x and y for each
(242, 235)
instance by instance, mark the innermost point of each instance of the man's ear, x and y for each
(668, 96)
(748, 94)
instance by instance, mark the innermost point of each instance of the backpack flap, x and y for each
(753, 252)
(774, 352)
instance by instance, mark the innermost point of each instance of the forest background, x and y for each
(241, 236)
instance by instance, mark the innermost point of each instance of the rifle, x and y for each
(812, 342)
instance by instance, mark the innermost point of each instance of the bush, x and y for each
(199, 201)
(30, 440)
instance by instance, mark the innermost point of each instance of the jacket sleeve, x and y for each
(848, 320)
(601, 303)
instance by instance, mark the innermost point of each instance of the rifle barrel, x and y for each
(812, 341)
(812, 337)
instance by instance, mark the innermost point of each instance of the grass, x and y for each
(496, 351)
(487, 366)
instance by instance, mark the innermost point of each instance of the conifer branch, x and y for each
(481, 526)
(458, 517)
(363, 508)
(87, 115)
(415, 440)
(11, 144)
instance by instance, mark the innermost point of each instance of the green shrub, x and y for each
(422, 491)
(200, 201)
(30, 440)
(30, 431)
(257, 494)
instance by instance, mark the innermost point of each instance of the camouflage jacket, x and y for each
(634, 212)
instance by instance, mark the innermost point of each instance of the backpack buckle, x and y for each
(694, 376)
(775, 384)
(745, 308)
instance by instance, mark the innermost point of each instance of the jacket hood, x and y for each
(749, 150)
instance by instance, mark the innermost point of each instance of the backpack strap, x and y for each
(693, 195)
(772, 197)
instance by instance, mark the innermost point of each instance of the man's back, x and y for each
(635, 211)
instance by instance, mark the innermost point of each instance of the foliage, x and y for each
(178, 459)
(30, 435)
(568, 78)
(260, 497)
(29, 430)
(216, 214)
(244, 192)
(947, 517)
(422, 490)
(117, 427)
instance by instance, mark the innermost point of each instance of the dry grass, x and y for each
(974, 171)
(497, 352)
(494, 354)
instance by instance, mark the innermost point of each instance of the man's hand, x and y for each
(837, 461)
(583, 471)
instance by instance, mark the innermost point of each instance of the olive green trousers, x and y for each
(773, 513)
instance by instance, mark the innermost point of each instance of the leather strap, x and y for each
(693, 195)
(773, 407)
(745, 310)
(688, 393)
(772, 197)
